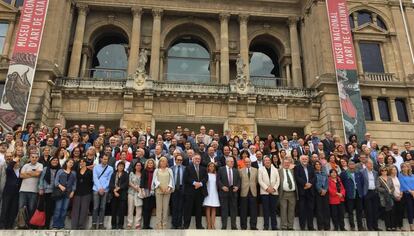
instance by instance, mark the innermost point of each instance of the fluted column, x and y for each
(224, 48)
(8, 39)
(135, 40)
(75, 57)
(295, 53)
(155, 46)
(244, 47)
(84, 64)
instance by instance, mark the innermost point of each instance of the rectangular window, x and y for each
(401, 110)
(19, 3)
(371, 57)
(384, 109)
(366, 102)
(3, 34)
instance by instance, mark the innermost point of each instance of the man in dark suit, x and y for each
(328, 144)
(228, 182)
(147, 136)
(211, 156)
(305, 180)
(195, 189)
(367, 180)
(177, 197)
(224, 140)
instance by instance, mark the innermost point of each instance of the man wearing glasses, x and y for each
(177, 197)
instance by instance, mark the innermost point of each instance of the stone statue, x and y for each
(240, 66)
(142, 61)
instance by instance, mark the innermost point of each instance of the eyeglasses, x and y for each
(178, 160)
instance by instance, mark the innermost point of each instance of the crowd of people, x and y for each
(81, 171)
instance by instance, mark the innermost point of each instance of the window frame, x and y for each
(369, 102)
(387, 103)
(405, 110)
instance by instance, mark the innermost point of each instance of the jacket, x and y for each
(123, 184)
(265, 181)
(334, 199)
(248, 183)
(321, 181)
(385, 192)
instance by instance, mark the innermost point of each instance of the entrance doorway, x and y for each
(264, 130)
(160, 127)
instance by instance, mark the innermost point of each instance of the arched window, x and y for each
(264, 66)
(188, 60)
(110, 58)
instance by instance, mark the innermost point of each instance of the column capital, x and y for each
(157, 12)
(82, 8)
(243, 18)
(292, 20)
(136, 11)
(224, 17)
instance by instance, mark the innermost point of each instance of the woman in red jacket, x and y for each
(336, 200)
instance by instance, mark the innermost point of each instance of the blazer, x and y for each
(156, 182)
(173, 169)
(219, 160)
(190, 176)
(386, 197)
(265, 181)
(349, 185)
(223, 180)
(332, 190)
(123, 185)
(171, 162)
(363, 180)
(248, 183)
(12, 184)
(282, 178)
(328, 146)
(300, 177)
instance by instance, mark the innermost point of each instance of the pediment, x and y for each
(4, 7)
(370, 29)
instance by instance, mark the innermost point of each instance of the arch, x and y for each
(387, 21)
(199, 28)
(101, 26)
(281, 46)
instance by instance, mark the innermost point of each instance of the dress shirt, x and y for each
(371, 180)
(285, 181)
(305, 168)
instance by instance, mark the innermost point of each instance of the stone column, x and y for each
(135, 40)
(8, 39)
(224, 48)
(244, 46)
(155, 45)
(295, 53)
(78, 41)
(288, 77)
(360, 67)
(375, 109)
(393, 110)
(85, 52)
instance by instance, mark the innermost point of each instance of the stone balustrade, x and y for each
(380, 77)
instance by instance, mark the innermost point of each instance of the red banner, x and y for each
(341, 35)
(15, 100)
(352, 110)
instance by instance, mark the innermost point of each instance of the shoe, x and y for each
(253, 228)
(101, 226)
(93, 226)
(311, 229)
(362, 229)
(234, 228)
(201, 227)
(276, 228)
(377, 229)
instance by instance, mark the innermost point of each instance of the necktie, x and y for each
(230, 178)
(288, 179)
(178, 181)
(196, 168)
(248, 172)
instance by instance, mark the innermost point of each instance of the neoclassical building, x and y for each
(91, 50)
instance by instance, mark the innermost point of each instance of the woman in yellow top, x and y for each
(163, 185)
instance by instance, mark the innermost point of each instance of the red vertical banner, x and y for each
(352, 110)
(15, 100)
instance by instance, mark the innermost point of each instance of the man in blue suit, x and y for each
(366, 181)
(354, 194)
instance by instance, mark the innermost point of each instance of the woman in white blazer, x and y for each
(163, 184)
(268, 178)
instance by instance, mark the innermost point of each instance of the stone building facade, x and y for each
(90, 52)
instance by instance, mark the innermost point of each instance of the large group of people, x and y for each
(72, 173)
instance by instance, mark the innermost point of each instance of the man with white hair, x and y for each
(243, 138)
(224, 140)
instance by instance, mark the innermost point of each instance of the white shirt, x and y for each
(259, 163)
(371, 180)
(2, 160)
(253, 157)
(398, 161)
(286, 183)
(229, 173)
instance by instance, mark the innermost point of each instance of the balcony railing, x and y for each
(380, 77)
(267, 82)
(188, 78)
(91, 83)
(105, 73)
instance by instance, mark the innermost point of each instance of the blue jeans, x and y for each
(99, 204)
(61, 207)
(28, 199)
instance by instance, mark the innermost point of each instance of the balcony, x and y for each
(379, 77)
(267, 82)
(90, 85)
(105, 73)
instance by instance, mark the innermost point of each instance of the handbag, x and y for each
(21, 220)
(39, 216)
(57, 193)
